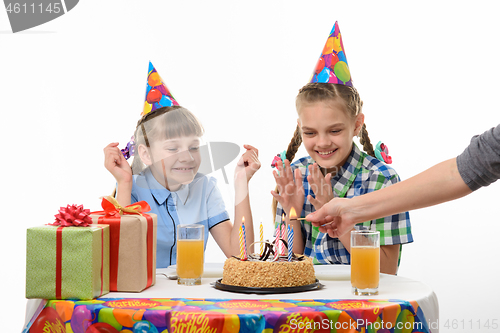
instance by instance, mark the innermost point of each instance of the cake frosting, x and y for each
(269, 274)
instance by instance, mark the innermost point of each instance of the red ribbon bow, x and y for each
(113, 208)
(73, 215)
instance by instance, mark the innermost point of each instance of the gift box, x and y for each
(67, 262)
(132, 244)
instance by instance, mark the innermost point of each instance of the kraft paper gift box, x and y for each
(67, 262)
(132, 244)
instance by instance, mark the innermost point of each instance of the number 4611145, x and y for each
(472, 324)
(25, 8)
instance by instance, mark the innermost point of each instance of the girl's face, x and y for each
(327, 132)
(173, 162)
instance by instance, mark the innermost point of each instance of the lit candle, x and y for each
(290, 242)
(241, 243)
(261, 238)
(244, 239)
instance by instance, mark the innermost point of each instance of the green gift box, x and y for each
(67, 262)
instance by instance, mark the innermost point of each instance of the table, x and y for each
(395, 292)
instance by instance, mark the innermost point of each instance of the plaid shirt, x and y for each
(359, 175)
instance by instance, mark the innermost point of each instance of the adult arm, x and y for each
(477, 166)
(438, 184)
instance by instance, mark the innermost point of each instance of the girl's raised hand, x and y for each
(321, 186)
(290, 188)
(116, 164)
(248, 164)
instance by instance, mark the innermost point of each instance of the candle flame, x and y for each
(243, 220)
(293, 214)
(283, 217)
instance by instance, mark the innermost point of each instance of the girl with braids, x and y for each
(165, 174)
(329, 116)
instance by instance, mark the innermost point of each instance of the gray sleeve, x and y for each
(479, 164)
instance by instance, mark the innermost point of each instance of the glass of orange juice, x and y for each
(365, 262)
(190, 253)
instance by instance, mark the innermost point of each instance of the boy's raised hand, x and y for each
(320, 185)
(116, 164)
(248, 164)
(291, 191)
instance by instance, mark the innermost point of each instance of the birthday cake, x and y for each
(269, 274)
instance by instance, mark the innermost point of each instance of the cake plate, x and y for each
(252, 290)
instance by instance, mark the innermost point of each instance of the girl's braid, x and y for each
(294, 144)
(364, 139)
(355, 106)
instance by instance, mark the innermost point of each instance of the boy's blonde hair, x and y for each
(162, 124)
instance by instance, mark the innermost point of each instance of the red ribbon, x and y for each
(114, 243)
(59, 261)
(112, 217)
(102, 260)
(112, 208)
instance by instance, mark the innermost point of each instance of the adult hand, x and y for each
(116, 164)
(320, 185)
(290, 189)
(333, 218)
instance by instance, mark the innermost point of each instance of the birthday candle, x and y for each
(282, 236)
(244, 240)
(278, 230)
(290, 242)
(261, 238)
(241, 243)
(277, 249)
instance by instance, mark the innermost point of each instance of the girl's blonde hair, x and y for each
(161, 124)
(326, 92)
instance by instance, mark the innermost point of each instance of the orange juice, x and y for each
(365, 266)
(190, 258)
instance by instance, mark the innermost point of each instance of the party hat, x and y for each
(332, 64)
(157, 93)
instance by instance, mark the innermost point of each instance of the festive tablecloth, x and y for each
(403, 305)
(230, 315)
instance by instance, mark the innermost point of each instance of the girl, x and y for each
(165, 174)
(330, 116)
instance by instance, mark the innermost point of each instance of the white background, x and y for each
(428, 75)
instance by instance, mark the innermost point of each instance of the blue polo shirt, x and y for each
(198, 202)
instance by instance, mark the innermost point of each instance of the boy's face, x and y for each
(327, 133)
(175, 161)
